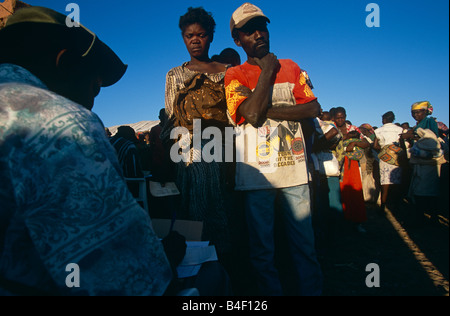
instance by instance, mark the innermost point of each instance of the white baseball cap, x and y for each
(245, 13)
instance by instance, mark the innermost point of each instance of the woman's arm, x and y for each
(361, 144)
(376, 144)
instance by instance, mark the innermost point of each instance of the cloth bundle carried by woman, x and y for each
(200, 99)
(427, 150)
(357, 152)
(392, 154)
(341, 151)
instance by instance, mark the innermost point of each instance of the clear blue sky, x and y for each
(369, 71)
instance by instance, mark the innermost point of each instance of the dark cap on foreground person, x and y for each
(71, 61)
(82, 41)
(245, 13)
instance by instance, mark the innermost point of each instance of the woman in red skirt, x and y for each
(349, 152)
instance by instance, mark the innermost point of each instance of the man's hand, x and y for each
(268, 64)
(254, 109)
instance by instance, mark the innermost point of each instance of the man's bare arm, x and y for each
(254, 108)
(295, 113)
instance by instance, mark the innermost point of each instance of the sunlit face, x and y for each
(339, 119)
(197, 41)
(254, 38)
(419, 115)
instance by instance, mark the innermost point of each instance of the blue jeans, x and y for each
(294, 202)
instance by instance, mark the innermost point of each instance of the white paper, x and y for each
(196, 254)
(169, 188)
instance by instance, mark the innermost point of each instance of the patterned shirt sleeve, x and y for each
(302, 91)
(234, 97)
(170, 92)
(71, 203)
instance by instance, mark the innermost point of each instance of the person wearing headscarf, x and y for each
(368, 131)
(426, 158)
(421, 112)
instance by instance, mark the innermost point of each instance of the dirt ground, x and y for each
(413, 260)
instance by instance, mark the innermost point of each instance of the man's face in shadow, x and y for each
(254, 38)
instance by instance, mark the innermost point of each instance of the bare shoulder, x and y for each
(219, 67)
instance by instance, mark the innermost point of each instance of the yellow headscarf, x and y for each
(423, 105)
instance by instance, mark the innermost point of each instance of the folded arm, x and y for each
(295, 113)
(254, 108)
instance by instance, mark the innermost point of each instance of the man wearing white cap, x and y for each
(266, 99)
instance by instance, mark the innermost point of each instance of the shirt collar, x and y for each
(14, 73)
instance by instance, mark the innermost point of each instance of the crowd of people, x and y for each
(382, 165)
(65, 199)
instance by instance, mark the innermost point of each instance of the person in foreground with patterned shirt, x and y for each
(68, 224)
(266, 98)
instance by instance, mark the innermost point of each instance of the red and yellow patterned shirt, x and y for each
(248, 76)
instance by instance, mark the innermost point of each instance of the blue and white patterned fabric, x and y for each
(63, 200)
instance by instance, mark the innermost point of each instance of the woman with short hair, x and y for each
(195, 91)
